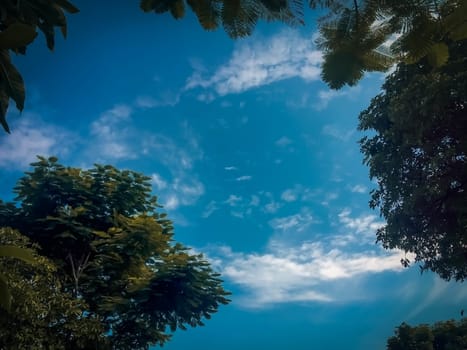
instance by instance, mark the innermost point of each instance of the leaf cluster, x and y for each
(19, 22)
(418, 156)
(354, 35)
(447, 335)
(41, 315)
(237, 17)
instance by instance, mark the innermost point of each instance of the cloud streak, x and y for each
(30, 137)
(255, 63)
(309, 272)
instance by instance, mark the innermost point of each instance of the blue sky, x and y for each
(253, 157)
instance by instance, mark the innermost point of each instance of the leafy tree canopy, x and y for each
(41, 315)
(447, 335)
(114, 251)
(418, 155)
(352, 32)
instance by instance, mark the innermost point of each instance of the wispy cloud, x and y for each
(112, 137)
(158, 181)
(180, 191)
(210, 209)
(309, 272)
(296, 222)
(243, 178)
(359, 189)
(283, 141)
(233, 200)
(258, 62)
(326, 96)
(182, 186)
(337, 132)
(29, 137)
(271, 205)
(164, 99)
(292, 194)
(365, 224)
(230, 168)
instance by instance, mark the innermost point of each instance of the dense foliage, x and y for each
(41, 315)
(418, 155)
(19, 21)
(113, 252)
(447, 335)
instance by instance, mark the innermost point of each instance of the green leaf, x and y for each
(438, 54)
(4, 99)
(146, 5)
(12, 80)
(18, 253)
(17, 35)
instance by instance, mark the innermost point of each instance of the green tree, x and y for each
(41, 315)
(114, 251)
(417, 153)
(447, 335)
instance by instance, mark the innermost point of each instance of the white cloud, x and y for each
(308, 272)
(365, 224)
(230, 168)
(296, 223)
(330, 196)
(165, 99)
(165, 150)
(182, 191)
(326, 96)
(337, 133)
(272, 207)
(30, 137)
(359, 189)
(283, 141)
(112, 136)
(233, 200)
(254, 201)
(256, 63)
(158, 181)
(172, 202)
(183, 188)
(291, 194)
(243, 178)
(210, 209)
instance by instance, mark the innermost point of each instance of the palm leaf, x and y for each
(17, 35)
(438, 54)
(17, 253)
(11, 86)
(207, 11)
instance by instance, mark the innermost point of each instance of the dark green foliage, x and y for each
(114, 251)
(41, 315)
(19, 21)
(238, 17)
(352, 35)
(448, 335)
(419, 158)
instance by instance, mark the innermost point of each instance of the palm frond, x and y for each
(208, 12)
